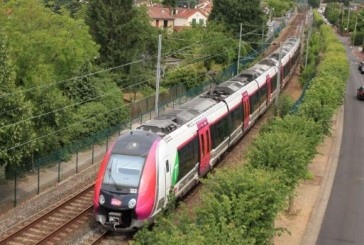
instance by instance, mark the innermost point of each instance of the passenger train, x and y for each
(171, 152)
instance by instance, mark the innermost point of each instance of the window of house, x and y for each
(157, 23)
(201, 22)
(194, 21)
(165, 23)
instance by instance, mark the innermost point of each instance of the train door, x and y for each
(269, 87)
(164, 175)
(246, 108)
(204, 139)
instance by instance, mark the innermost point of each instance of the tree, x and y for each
(170, 3)
(14, 131)
(48, 49)
(314, 3)
(279, 7)
(73, 6)
(233, 12)
(123, 32)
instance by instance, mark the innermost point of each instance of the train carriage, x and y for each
(173, 151)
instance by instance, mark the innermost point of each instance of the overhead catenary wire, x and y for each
(91, 99)
(94, 73)
(25, 90)
(205, 58)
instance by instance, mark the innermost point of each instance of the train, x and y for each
(170, 153)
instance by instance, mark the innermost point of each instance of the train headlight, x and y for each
(132, 203)
(102, 199)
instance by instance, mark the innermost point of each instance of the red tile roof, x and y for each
(185, 13)
(161, 13)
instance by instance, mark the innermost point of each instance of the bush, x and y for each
(238, 207)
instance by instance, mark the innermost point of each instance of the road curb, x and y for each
(314, 225)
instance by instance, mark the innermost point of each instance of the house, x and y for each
(161, 17)
(205, 7)
(189, 17)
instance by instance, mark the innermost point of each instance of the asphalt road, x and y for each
(343, 221)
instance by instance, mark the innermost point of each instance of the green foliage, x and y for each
(333, 13)
(314, 3)
(281, 150)
(48, 48)
(48, 42)
(295, 124)
(321, 100)
(318, 21)
(91, 118)
(190, 76)
(58, 6)
(170, 3)
(210, 44)
(15, 109)
(285, 104)
(123, 32)
(247, 12)
(280, 7)
(239, 205)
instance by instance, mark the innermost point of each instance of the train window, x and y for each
(263, 94)
(254, 102)
(274, 82)
(124, 170)
(236, 117)
(202, 140)
(286, 69)
(208, 141)
(188, 157)
(219, 131)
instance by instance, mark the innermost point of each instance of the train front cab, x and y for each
(126, 193)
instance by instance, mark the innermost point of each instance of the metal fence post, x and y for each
(38, 190)
(76, 161)
(93, 152)
(107, 141)
(15, 189)
(59, 170)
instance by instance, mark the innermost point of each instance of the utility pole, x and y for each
(263, 35)
(307, 44)
(278, 76)
(347, 26)
(158, 75)
(342, 17)
(356, 22)
(238, 62)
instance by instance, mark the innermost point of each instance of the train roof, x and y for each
(168, 122)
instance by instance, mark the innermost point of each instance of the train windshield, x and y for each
(124, 170)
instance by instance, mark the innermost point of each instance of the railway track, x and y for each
(55, 224)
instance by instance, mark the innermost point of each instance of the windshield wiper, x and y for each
(112, 178)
